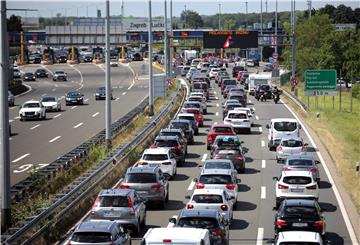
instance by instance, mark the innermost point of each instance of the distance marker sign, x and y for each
(320, 82)
(230, 39)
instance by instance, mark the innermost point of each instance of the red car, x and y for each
(198, 116)
(218, 129)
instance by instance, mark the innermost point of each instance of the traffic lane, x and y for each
(335, 224)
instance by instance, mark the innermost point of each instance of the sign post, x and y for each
(320, 82)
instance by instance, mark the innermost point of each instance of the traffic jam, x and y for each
(119, 215)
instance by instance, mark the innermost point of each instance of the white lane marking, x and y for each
(203, 159)
(20, 158)
(16, 118)
(262, 143)
(257, 118)
(344, 213)
(263, 192)
(191, 186)
(78, 125)
(37, 125)
(260, 236)
(117, 99)
(56, 85)
(54, 139)
(95, 114)
(216, 98)
(217, 105)
(253, 109)
(73, 107)
(86, 100)
(54, 89)
(10, 121)
(56, 116)
(81, 77)
(43, 95)
(263, 163)
(217, 114)
(10, 138)
(215, 92)
(250, 101)
(215, 122)
(260, 129)
(132, 84)
(123, 93)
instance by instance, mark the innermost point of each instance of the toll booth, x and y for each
(48, 56)
(76, 56)
(98, 54)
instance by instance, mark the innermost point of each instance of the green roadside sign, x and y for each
(320, 82)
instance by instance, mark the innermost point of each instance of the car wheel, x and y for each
(44, 117)
(234, 205)
(208, 147)
(143, 223)
(277, 203)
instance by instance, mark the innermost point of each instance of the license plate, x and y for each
(297, 190)
(142, 192)
(237, 123)
(154, 165)
(109, 214)
(300, 224)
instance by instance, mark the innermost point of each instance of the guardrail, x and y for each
(83, 186)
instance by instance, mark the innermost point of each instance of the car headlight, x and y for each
(97, 94)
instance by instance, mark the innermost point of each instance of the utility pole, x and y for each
(107, 76)
(171, 39)
(122, 24)
(276, 25)
(151, 85)
(246, 12)
(219, 16)
(293, 40)
(266, 6)
(309, 8)
(185, 15)
(166, 54)
(261, 29)
(4, 122)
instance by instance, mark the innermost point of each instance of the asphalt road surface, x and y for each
(38, 143)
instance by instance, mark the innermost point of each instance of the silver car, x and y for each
(290, 146)
(302, 163)
(149, 182)
(123, 205)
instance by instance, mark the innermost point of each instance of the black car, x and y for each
(41, 73)
(263, 89)
(62, 59)
(37, 60)
(173, 143)
(29, 76)
(175, 132)
(87, 58)
(74, 97)
(236, 69)
(210, 219)
(299, 215)
(185, 126)
(100, 93)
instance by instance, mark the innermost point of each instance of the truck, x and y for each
(189, 55)
(258, 79)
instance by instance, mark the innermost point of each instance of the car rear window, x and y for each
(299, 243)
(218, 165)
(183, 125)
(166, 143)
(155, 157)
(229, 82)
(232, 106)
(91, 237)
(215, 179)
(300, 162)
(198, 99)
(285, 126)
(227, 152)
(303, 211)
(192, 105)
(141, 178)
(237, 115)
(206, 198)
(297, 180)
(291, 143)
(197, 86)
(222, 130)
(226, 141)
(236, 97)
(113, 201)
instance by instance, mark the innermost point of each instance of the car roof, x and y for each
(300, 202)
(158, 150)
(166, 137)
(157, 235)
(303, 236)
(298, 156)
(95, 226)
(217, 160)
(198, 213)
(221, 125)
(237, 112)
(175, 130)
(142, 169)
(216, 171)
(31, 101)
(284, 120)
(296, 173)
(117, 192)
(186, 114)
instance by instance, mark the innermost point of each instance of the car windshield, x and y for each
(215, 179)
(192, 105)
(73, 94)
(222, 130)
(190, 118)
(59, 72)
(237, 115)
(217, 165)
(41, 71)
(199, 99)
(303, 211)
(91, 237)
(226, 141)
(31, 105)
(166, 143)
(285, 126)
(140, 178)
(48, 99)
(114, 201)
(179, 125)
(28, 74)
(237, 97)
(297, 180)
(155, 157)
(229, 82)
(299, 243)
(232, 106)
(300, 162)
(228, 152)
(101, 89)
(207, 198)
(291, 143)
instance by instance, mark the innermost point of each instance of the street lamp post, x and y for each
(219, 16)
(151, 85)
(171, 39)
(166, 54)
(107, 76)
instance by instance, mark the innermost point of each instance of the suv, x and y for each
(209, 219)
(218, 129)
(282, 127)
(233, 153)
(74, 97)
(239, 97)
(174, 145)
(149, 182)
(239, 120)
(295, 184)
(123, 205)
(298, 237)
(227, 82)
(99, 232)
(225, 141)
(59, 75)
(185, 126)
(32, 110)
(175, 132)
(300, 215)
(302, 162)
(191, 118)
(290, 146)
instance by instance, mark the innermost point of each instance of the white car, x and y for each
(195, 62)
(249, 112)
(213, 73)
(280, 128)
(32, 110)
(290, 146)
(190, 72)
(114, 62)
(219, 164)
(201, 100)
(199, 94)
(51, 103)
(250, 63)
(159, 157)
(295, 184)
(212, 199)
(298, 237)
(239, 120)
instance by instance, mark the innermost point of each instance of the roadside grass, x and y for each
(340, 134)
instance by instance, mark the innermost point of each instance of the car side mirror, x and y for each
(200, 166)
(274, 208)
(195, 180)
(267, 126)
(306, 144)
(275, 178)
(317, 162)
(299, 126)
(172, 220)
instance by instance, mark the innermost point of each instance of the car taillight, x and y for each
(283, 187)
(287, 169)
(217, 156)
(279, 148)
(209, 138)
(123, 186)
(227, 120)
(132, 211)
(303, 149)
(313, 170)
(167, 241)
(230, 186)
(156, 186)
(142, 163)
(153, 147)
(280, 223)
(311, 187)
(240, 158)
(224, 207)
(189, 206)
(69, 243)
(97, 201)
(319, 224)
(166, 163)
(200, 186)
(217, 232)
(179, 148)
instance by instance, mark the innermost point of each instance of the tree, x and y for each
(229, 24)
(192, 19)
(329, 10)
(343, 14)
(14, 24)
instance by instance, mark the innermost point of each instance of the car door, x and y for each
(139, 206)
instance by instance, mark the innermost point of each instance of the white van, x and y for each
(176, 235)
(282, 127)
(258, 79)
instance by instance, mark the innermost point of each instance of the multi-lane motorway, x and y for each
(254, 215)
(38, 143)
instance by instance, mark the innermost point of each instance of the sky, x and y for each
(139, 8)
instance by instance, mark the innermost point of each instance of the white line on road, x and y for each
(253, 109)
(203, 159)
(54, 139)
(215, 122)
(16, 118)
(43, 95)
(54, 89)
(132, 84)
(10, 121)
(250, 101)
(56, 116)
(95, 114)
(78, 125)
(217, 114)
(86, 100)
(73, 107)
(215, 92)
(263, 163)
(10, 138)
(260, 236)
(56, 85)
(117, 99)
(191, 186)
(217, 105)
(260, 129)
(257, 118)
(123, 93)
(37, 125)
(216, 98)
(81, 78)
(262, 143)
(263, 192)
(20, 158)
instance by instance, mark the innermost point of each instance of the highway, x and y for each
(254, 215)
(38, 143)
